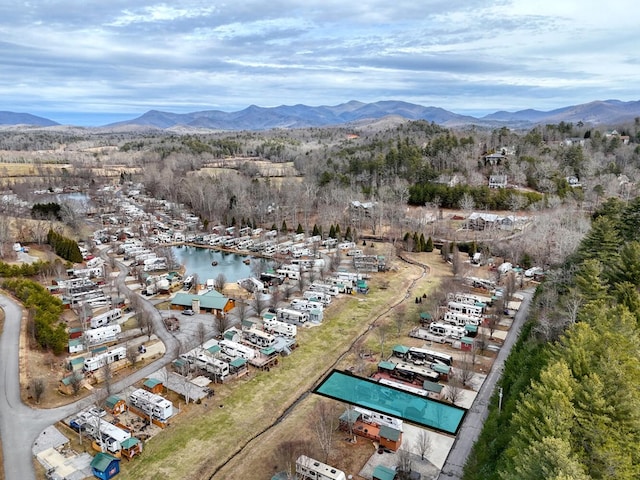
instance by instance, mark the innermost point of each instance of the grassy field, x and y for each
(215, 436)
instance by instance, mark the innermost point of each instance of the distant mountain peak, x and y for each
(14, 118)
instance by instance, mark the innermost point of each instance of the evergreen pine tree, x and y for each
(429, 246)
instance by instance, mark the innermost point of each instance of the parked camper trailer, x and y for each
(98, 335)
(94, 363)
(208, 363)
(301, 304)
(447, 330)
(277, 327)
(315, 296)
(291, 315)
(290, 274)
(308, 468)
(106, 318)
(157, 407)
(465, 308)
(371, 417)
(259, 338)
(460, 319)
(111, 435)
(332, 290)
(235, 349)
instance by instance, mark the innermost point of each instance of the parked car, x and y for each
(188, 311)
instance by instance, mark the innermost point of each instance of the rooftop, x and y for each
(374, 396)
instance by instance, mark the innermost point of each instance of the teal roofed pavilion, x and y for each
(391, 401)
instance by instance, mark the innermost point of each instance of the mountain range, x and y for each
(607, 112)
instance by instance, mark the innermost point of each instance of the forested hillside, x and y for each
(571, 388)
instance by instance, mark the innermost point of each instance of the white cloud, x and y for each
(493, 54)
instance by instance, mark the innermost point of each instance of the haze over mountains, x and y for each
(299, 116)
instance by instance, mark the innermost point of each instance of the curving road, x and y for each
(476, 416)
(20, 425)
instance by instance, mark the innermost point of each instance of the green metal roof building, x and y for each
(211, 301)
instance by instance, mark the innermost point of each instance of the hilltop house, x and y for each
(498, 181)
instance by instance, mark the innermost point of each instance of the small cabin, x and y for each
(390, 438)
(115, 405)
(154, 386)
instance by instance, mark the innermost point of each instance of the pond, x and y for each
(208, 263)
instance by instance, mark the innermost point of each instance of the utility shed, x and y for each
(115, 405)
(153, 385)
(105, 466)
(383, 473)
(390, 437)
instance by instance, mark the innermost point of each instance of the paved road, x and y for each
(476, 416)
(20, 425)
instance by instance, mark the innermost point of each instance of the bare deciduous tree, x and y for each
(132, 355)
(220, 282)
(223, 322)
(324, 424)
(107, 377)
(400, 318)
(288, 451)
(37, 386)
(201, 333)
(259, 302)
(464, 372)
(423, 445)
(453, 391)
(75, 380)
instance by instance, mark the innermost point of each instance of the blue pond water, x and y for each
(199, 261)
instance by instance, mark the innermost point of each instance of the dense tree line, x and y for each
(49, 210)
(572, 408)
(483, 196)
(64, 247)
(23, 269)
(45, 311)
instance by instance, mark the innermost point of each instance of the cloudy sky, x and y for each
(92, 62)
